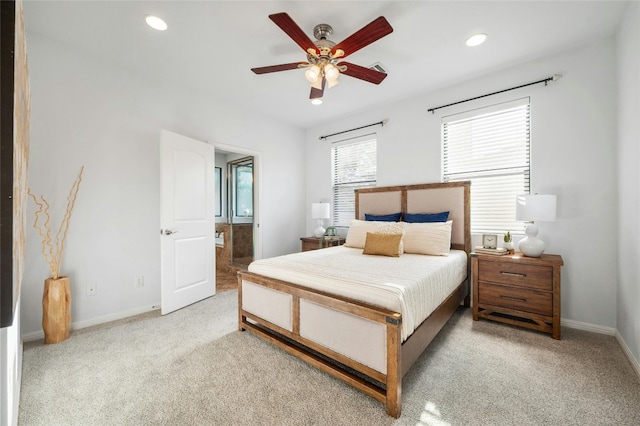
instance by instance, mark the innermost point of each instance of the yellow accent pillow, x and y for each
(387, 228)
(383, 244)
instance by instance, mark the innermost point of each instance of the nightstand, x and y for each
(313, 243)
(518, 290)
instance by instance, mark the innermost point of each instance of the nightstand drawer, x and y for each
(532, 301)
(532, 276)
(313, 243)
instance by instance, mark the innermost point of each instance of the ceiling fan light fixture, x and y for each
(312, 74)
(331, 73)
(331, 83)
(155, 22)
(476, 39)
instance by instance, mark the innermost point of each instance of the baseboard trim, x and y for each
(578, 325)
(610, 331)
(625, 348)
(37, 335)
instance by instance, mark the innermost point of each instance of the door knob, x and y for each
(168, 231)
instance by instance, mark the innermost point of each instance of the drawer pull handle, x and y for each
(517, 299)
(513, 274)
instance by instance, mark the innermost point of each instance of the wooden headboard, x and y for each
(453, 197)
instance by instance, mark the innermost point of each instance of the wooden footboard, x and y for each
(291, 333)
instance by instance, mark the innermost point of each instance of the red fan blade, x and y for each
(371, 32)
(317, 93)
(366, 74)
(281, 67)
(292, 29)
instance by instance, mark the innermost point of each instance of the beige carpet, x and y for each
(192, 368)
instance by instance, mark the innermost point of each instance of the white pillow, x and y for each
(357, 234)
(433, 238)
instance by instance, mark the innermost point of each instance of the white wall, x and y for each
(88, 112)
(628, 44)
(573, 155)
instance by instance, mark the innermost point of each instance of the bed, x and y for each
(365, 328)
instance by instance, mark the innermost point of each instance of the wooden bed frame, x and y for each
(385, 387)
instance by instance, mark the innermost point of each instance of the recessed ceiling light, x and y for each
(476, 39)
(316, 101)
(155, 22)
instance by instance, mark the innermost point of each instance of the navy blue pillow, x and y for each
(426, 217)
(393, 217)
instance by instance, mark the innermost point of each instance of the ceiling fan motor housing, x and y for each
(321, 31)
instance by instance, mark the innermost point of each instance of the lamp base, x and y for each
(531, 245)
(319, 231)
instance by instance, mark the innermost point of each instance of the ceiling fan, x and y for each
(323, 55)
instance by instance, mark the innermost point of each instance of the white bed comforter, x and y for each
(412, 284)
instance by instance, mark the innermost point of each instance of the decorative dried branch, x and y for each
(53, 252)
(44, 230)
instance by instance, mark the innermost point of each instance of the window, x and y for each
(218, 190)
(353, 162)
(490, 147)
(242, 189)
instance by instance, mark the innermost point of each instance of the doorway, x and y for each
(238, 237)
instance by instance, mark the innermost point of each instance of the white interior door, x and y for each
(187, 221)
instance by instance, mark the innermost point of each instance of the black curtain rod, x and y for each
(381, 123)
(554, 77)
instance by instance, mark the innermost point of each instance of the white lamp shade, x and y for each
(536, 208)
(320, 210)
(331, 73)
(312, 73)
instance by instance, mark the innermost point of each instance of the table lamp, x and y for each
(320, 211)
(534, 208)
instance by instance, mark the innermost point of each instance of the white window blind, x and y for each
(490, 147)
(353, 162)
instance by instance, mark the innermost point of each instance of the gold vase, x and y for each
(56, 309)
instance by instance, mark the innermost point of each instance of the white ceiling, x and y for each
(210, 46)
